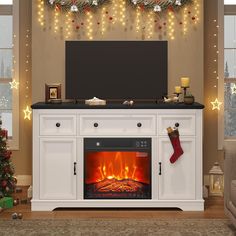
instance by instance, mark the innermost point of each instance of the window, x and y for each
(9, 61)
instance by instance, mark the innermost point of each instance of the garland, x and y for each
(158, 6)
(75, 5)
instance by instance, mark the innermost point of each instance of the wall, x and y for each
(48, 60)
(213, 88)
(185, 54)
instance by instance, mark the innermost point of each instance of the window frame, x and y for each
(13, 10)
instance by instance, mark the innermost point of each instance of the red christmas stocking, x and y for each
(174, 138)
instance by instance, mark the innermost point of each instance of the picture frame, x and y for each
(52, 93)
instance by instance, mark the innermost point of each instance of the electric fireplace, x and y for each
(117, 168)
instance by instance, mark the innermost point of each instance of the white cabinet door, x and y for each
(57, 176)
(177, 180)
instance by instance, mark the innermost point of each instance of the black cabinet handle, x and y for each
(95, 125)
(176, 125)
(159, 168)
(58, 125)
(74, 168)
(139, 125)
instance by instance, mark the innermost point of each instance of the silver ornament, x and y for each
(95, 2)
(178, 2)
(74, 8)
(157, 8)
(51, 2)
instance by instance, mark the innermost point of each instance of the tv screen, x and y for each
(116, 70)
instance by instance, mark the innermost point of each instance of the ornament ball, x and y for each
(20, 216)
(14, 216)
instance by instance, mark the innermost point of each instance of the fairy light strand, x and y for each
(115, 11)
(138, 14)
(150, 22)
(197, 11)
(122, 7)
(89, 27)
(68, 25)
(103, 21)
(56, 19)
(185, 21)
(41, 12)
(171, 25)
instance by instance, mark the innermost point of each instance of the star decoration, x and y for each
(14, 84)
(27, 113)
(233, 89)
(216, 104)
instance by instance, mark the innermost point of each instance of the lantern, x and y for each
(216, 180)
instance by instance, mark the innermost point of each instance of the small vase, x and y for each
(188, 100)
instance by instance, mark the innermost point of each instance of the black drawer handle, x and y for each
(159, 168)
(95, 125)
(176, 125)
(139, 125)
(74, 168)
(58, 125)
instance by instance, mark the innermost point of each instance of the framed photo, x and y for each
(52, 92)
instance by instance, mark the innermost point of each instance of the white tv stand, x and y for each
(58, 133)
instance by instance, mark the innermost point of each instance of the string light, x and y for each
(89, 25)
(150, 23)
(197, 12)
(171, 25)
(185, 22)
(41, 12)
(56, 19)
(216, 104)
(103, 20)
(138, 19)
(14, 84)
(27, 113)
(68, 25)
(122, 7)
(115, 11)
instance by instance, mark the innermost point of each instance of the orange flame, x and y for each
(117, 165)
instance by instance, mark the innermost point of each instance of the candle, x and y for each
(177, 89)
(185, 82)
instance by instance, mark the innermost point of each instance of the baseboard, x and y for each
(24, 180)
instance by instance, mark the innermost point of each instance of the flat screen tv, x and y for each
(116, 70)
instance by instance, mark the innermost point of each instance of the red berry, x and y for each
(164, 23)
(73, 21)
(106, 12)
(180, 23)
(98, 23)
(4, 183)
(193, 18)
(82, 23)
(77, 27)
(189, 12)
(160, 27)
(110, 18)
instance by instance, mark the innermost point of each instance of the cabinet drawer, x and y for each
(57, 125)
(117, 125)
(186, 124)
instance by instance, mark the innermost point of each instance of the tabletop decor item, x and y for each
(53, 93)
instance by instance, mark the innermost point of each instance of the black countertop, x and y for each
(138, 105)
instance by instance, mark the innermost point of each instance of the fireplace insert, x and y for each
(117, 168)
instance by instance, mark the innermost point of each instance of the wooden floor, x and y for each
(214, 209)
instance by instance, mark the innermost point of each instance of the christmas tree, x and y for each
(7, 180)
